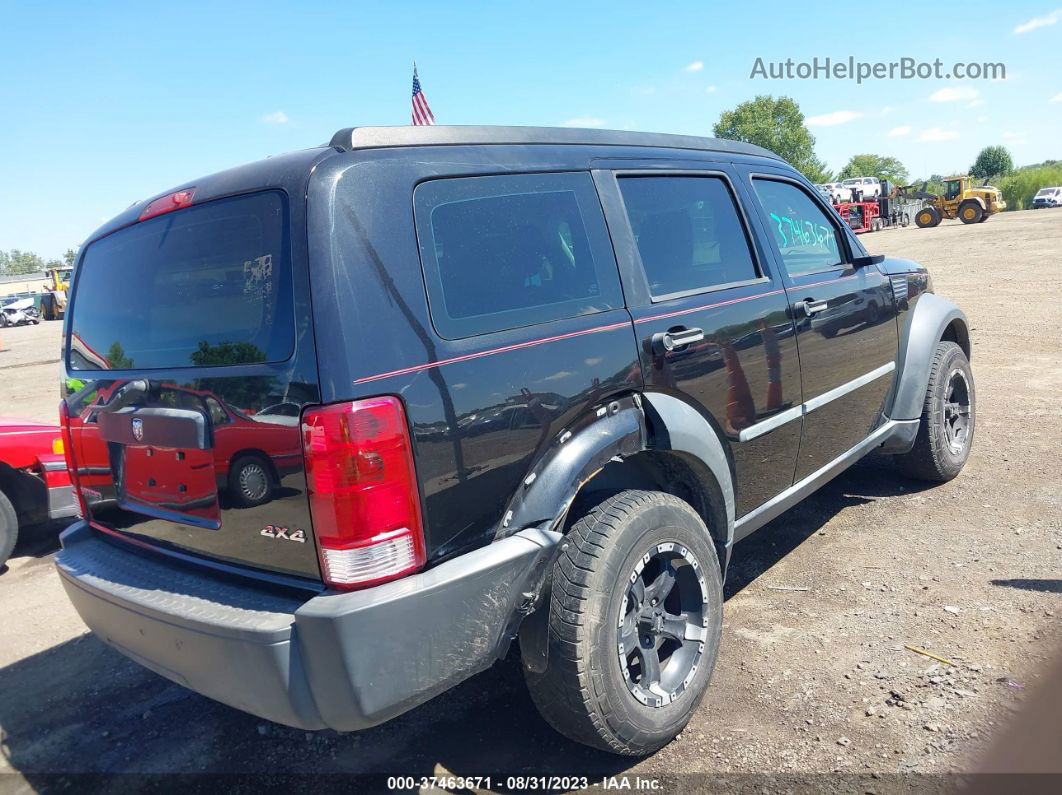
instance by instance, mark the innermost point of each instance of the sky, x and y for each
(108, 103)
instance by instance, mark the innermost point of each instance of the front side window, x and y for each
(503, 252)
(805, 236)
(688, 231)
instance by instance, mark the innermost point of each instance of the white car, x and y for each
(867, 187)
(837, 192)
(1047, 197)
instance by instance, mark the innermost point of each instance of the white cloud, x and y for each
(696, 66)
(277, 117)
(712, 90)
(887, 110)
(1039, 22)
(953, 94)
(982, 119)
(1056, 98)
(900, 132)
(832, 119)
(976, 103)
(937, 134)
(584, 121)
(1014, 137)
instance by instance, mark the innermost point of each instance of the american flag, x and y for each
(421, 112)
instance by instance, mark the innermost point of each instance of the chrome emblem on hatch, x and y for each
(138, 428)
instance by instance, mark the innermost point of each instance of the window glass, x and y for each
(509, 251)
(688, 232)
(218, 415)
(805, 235)
(207, 285)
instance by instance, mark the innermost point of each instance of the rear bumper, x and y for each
(345, 661)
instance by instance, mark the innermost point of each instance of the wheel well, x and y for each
(25, 493)
(958, 333)
(658, 470)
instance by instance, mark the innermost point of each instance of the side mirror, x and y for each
(870, 259)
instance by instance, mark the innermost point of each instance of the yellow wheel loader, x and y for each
(960, 199)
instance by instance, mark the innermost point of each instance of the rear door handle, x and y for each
(675, 338)
(811, 307)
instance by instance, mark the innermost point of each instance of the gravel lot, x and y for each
(809, 681)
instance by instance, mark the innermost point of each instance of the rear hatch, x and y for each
(189, 362)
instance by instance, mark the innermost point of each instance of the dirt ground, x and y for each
(813, 676)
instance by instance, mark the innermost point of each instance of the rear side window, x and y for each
(688, 232)
(205, 286)
(509, 251)
(805, 235)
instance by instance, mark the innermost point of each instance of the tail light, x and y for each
(363, 492)
(71, 463)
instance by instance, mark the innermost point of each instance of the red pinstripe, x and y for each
(489, 352)
(532, 343)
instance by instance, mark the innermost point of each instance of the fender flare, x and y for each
(676, 426)
(613, 428)
(929, 322)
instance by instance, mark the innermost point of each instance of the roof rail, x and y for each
(352, 138)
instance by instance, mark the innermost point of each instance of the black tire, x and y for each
(937, 454)
(927, 218)
(8, 528)
(985, 217)
(970, 212)
(584, 693)
(250, 481)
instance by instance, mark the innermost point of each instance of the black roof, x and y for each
(351, 138)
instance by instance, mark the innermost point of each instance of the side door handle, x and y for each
(675, 338)
(811, 307)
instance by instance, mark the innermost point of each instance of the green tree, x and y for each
(19, 263)
(116, 357)
(775, 124)
(70, 255)
(817, 171)
(1020, 187)
(879, 166)
(992, 161)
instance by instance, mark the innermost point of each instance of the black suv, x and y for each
(347, 422)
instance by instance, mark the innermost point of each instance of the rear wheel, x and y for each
(250, 481)
(927, 217)
(970, 212)
(8, 528)
(634, 624)
(945, 433)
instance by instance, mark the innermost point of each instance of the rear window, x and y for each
(502, 252)
(209, 285)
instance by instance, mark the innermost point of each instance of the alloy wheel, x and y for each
(957, 410)
(662, 624)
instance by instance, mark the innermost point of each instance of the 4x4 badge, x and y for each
(276, 533)
(138, 428)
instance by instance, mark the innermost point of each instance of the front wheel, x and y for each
(635, 616)
(971, 212)
(8, 528)
(946, 429)
(927, 218)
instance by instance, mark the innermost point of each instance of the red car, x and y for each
(34, 484)
(248, 456)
